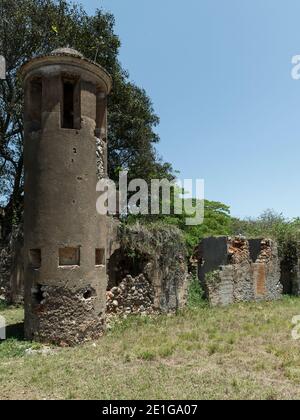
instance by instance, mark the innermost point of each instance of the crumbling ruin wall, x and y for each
(237, 270)
(149, 271)
(266, 272)
(82, 319)
(134, 295)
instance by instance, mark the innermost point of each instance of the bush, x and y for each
(196, 294)
(156, 240)
(273, 226)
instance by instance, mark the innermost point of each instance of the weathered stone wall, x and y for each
(66, 317)
(237, 270)
(148, 271)
(134, 295)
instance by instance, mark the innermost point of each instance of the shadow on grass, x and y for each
(13, 331)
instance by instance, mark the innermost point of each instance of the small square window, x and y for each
(35, 258)
(100, 257)
(69, 257)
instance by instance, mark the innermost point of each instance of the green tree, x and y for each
(36, 27)
(217, 222)
(268, 224)
(274, 226)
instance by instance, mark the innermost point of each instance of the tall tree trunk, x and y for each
(13, 210)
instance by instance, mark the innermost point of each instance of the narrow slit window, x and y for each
(71, 104)
(100, 257)
(36, 92)
(69, 257)
(68, 107)
(35, 258)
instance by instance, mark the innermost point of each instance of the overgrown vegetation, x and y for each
(152, 239)
(274, 226)
(217, 221)
(3, 305)
(244, 351)
(158, 251)
(195, 294)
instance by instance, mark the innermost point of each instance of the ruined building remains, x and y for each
(147, 270)
(239, 270)
(70, 251)
(65, 238)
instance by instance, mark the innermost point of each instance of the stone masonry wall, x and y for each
(147, 271)
(237, 270)
(78, 322)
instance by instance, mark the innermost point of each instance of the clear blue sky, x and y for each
(219, 75)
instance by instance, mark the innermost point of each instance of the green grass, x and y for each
(239, 352)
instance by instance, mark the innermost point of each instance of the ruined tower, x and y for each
(65, 238)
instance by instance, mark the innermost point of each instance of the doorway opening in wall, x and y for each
(71, 113)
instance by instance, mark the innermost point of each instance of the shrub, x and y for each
(195, 294)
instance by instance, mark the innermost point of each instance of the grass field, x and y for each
(240, 352)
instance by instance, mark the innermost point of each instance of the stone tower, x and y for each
(65, 238)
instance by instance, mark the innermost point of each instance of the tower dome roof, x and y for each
(70, 60)
(67, 51)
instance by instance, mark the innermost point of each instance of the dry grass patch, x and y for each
(240, 352)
